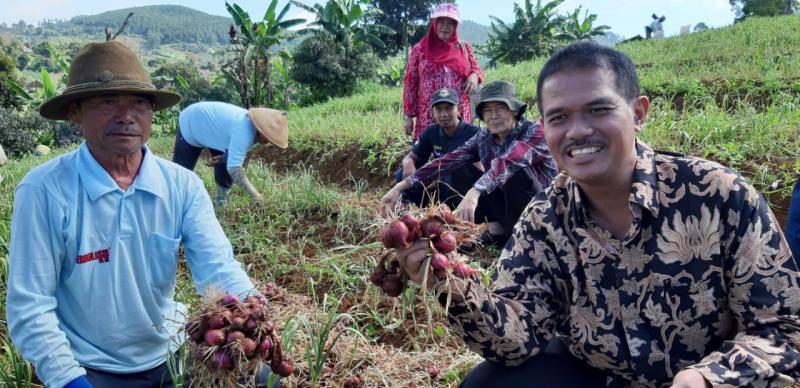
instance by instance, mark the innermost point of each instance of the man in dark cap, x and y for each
(447, 133)
(515, 158)
(95, 236)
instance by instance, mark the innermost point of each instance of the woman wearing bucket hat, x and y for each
(439, 60)
(96, 235)
(516, 160)
(228, 131)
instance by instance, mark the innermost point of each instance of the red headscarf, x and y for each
(444, 53)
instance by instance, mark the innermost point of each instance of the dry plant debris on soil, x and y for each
(357, 363)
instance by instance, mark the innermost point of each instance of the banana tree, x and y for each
(252, 44)
(575, 29)
(533, 33)
(347, 21)
(48, 89)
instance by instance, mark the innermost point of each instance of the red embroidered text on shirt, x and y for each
(101, 256)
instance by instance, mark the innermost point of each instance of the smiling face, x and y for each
(590, 127)
(446, 115)
(445, 28)
(499, 119)
(114, 125)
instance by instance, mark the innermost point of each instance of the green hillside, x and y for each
(156, 24)
(473, 32)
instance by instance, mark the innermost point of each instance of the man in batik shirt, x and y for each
(655, 269)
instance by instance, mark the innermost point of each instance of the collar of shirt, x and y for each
(98, 181)
(644, 187)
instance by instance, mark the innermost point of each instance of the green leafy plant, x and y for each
(320, 340)
(534, 33)
(15, 371)
(252, 42)
(347, 22)
(576, 29)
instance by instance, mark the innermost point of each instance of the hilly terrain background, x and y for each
(159, 32)
(730, 94)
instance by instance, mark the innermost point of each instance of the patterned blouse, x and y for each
(703, 279)
(423, 77)
(524, 148)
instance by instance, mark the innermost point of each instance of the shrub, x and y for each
(328, 69)
(8, 98)
(19, 134)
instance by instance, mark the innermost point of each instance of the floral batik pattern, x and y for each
(703, 279)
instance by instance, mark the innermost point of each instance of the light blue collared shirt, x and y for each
(92, 267)
(219, 126)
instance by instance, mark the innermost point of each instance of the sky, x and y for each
(625, 17)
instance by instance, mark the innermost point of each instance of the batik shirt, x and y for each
(524, 148)
(703, 279)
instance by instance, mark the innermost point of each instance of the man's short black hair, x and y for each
(590, 55)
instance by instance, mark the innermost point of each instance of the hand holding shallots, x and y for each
(425, 245)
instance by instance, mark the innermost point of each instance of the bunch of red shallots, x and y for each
(444, 232)
(230, 338)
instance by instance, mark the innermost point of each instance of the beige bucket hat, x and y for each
(272, 124)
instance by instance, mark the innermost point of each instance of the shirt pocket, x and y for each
(162, 259)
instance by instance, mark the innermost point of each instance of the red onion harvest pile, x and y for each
(441, 229)
(230, 339)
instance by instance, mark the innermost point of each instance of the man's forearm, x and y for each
(240, 179)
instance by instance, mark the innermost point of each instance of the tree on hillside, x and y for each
(534, 33)
(746, 8)
(339, 53)
(576, 29)
(409, 18)
(537, 31)
(8, 70)
(327, 70)
(252, 44)
(347, 22)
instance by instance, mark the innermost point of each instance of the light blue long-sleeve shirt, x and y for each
(219, 126)
(92, 267)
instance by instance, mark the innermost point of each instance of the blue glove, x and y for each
(80, 382)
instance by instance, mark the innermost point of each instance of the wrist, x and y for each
(80, 382)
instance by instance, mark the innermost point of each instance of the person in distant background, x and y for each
(439, 60)
(656, 29)
(228, 131)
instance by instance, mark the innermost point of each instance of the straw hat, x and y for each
(101, 68)
(272, 124)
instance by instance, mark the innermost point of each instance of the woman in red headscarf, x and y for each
(439, 60)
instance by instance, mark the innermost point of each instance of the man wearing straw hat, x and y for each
(95, 236)
(228, 131)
